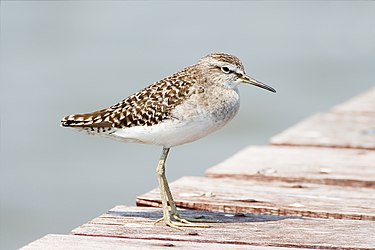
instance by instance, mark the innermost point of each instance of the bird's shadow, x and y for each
(215, 217)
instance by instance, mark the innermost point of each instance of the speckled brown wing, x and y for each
(147, 107)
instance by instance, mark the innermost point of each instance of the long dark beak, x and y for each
(252, 81)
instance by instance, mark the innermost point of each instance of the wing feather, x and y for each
(147, 107)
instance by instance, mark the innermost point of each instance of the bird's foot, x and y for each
(199, 219)
(179, 222)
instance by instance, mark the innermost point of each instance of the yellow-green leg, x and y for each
(165, 193)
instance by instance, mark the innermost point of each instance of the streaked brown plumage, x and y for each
(147, 107)
(151, 105)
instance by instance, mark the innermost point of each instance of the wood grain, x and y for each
(343, 130)
(276, 198)
(73, 242)
(240, 229)
(363, 104)
(332, 166)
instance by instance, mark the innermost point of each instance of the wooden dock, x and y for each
(313, 187)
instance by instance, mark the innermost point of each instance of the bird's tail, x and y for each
(78, 120)
(95, 119)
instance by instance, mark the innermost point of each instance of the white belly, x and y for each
(191, 121)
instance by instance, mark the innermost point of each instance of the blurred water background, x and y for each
(64, 57)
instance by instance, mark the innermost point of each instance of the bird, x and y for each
(179, 109)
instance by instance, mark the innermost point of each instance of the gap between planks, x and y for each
(63, 242)
(239, 229)
(276, 198)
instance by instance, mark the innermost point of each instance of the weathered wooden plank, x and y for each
(362, 104)
(345, 167)
(63, 242)
(331, 130)
(277, 198)
(241, 229)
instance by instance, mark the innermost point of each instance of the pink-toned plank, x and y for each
(277, 198)
(363, 104)
(345, 167)
(241, 229)
(75, 242)
(342, 130)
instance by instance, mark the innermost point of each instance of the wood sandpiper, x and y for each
(178, 109)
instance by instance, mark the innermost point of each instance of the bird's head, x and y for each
(227, 70)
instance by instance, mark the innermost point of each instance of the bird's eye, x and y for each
(225, 69)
